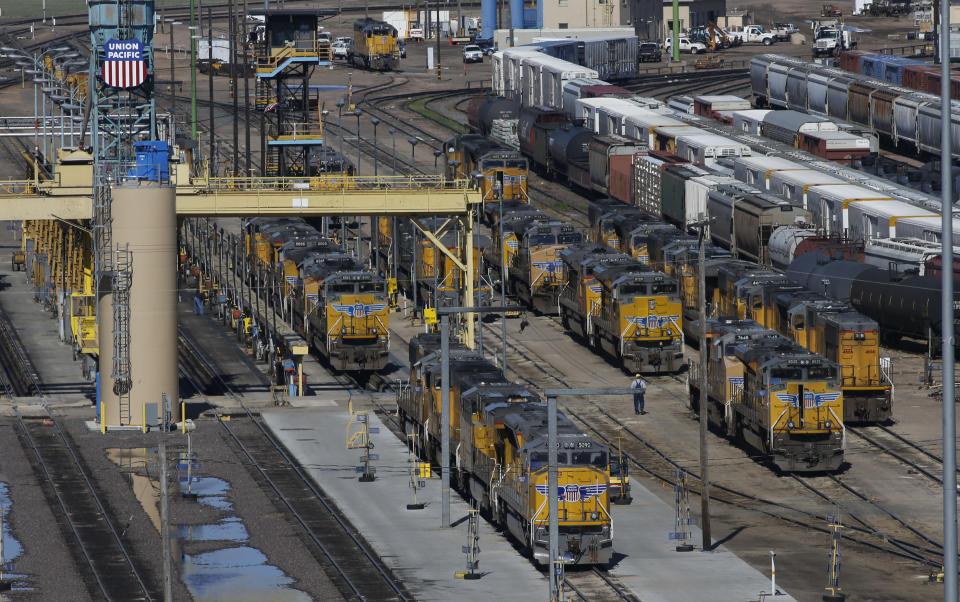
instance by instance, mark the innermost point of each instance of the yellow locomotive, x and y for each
(498, 436)
(778, 397)
(335, 303)
(825, 326)
(375, 45)
(503, 171)
(622, 308)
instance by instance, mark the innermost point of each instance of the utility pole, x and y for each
(445, 420)
(165, 525)
(246, 90)
(193, 71)
(438, 39)
(233, 86)
(211, 159)
(675, 44)
(173, 90)
(946, 309)
(702, 224)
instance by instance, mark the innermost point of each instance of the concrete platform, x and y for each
(426, 556)
(656, 572)
(61, 377)
(422, 554)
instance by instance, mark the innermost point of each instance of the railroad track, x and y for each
(337, 546)
(112, 573)
(910, 453)
(595, 584)
(536, 370)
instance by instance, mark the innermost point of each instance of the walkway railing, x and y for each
(334, 182)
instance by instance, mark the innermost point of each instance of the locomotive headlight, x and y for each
(790, 424)
(828, 424)
(375, 330)
(594, 516)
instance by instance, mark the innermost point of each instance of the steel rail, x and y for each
(20, 353)
(374, 561)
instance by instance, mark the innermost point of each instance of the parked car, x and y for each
(649, 52)
(344, 39)
(686, 45)
(341, 49)
(783, 31)
(323, 37)
(487, 46)
(472, 54)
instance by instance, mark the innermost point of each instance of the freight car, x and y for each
(337, 305)
(375, 45)
(903, 306)
(903, 116)
(499, 432)
(774, 395)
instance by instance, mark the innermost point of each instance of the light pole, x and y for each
(444, 314)
(436, 156)
(357, 112)
(376, 169)
(413, 150)
(340, 103)
(393, 139)
(173, 90)
(193, 73)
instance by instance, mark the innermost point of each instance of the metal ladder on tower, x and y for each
(122, 278)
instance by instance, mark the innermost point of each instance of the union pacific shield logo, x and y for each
(123, 64)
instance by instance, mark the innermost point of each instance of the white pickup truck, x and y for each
(754, 34)
(685, 44)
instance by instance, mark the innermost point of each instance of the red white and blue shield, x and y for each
(123, 64)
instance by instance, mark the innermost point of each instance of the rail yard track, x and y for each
(537, 371)
(337, 545)
(83, 518)
(595, 584)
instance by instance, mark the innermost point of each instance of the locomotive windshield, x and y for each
(786, 373)
(369, 287)
(590, 458)
(822, 373)
(542, 239)
(632, 290)
(663, 287)
(570, 238)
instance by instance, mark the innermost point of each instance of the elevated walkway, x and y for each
(247, 197)
(283, 58)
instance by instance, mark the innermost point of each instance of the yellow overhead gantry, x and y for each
(68, 196)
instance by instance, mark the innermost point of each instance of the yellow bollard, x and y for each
(143, 427)
(183, 417)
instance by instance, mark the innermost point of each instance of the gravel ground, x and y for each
(47, 563)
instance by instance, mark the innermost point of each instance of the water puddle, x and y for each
(238, 574)
(11, 548)
(210, 491)
(228, 529)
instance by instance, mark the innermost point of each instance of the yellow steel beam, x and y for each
(434, 238)
(46, 207)
(385, 201)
